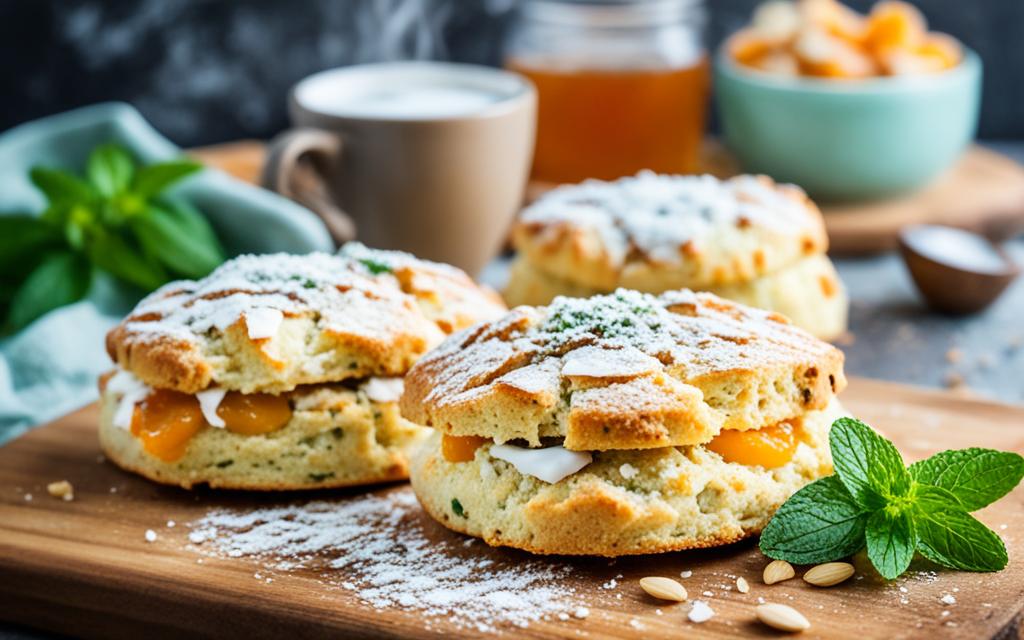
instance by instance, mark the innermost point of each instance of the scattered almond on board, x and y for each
(782, 617)
(741, 585)
(829, 574)
(663, 588)
(777, 571)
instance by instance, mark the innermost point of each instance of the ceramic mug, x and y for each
(426, 157)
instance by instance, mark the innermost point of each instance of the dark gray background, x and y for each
(211, 70)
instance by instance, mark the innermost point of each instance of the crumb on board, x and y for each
(61, 489)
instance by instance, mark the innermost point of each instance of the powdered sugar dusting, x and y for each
(377, 548)
(659, 214)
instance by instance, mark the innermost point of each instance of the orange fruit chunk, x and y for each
(769, 447)
(895, 25)
(747, 47)
(165, 422)
(461, 448)
(253, 414)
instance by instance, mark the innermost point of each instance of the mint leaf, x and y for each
(113, 254)
(977, 477)
(59, 186)
(61, 278)
(375, 266)
(151, 180)
(168, 238)
(110, 169)
(891, 539)
(22, 240)
(950, 536)
(819, 523)
(869, 465)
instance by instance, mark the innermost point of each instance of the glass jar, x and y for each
(622, 86)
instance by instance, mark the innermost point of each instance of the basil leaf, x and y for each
(110, 169)
(151, 180)
(819, 523)
(869, 465)
(22, 239)
(163, 236)
(113, 254)
(950, 536)
(977, 477)
(60, 186)
(61, 278)
(891, 540)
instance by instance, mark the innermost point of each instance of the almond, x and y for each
(663, 588)
(777, 571)
(741, 585)
(829, 574)
(782, 617)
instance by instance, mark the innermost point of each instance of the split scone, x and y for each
(280, 371)
(746, 239)
(622, 424)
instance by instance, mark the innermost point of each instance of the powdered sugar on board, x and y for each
(377, 548)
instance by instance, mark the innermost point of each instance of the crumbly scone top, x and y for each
(363, 300)
(697, 225)
(625, 370)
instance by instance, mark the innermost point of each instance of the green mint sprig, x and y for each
(118, 218)
(875, 502)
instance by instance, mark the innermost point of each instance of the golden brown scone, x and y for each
(622, 503)
(336, 437)
(623, 371)
(270, 323)
(657, 233)
(281, 371)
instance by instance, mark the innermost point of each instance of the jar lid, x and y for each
(611, 13)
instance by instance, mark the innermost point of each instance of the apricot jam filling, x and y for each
(461, 448)
(254, 413)
(166, 420)
(769, 447)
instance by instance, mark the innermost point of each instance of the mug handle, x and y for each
(323, 149)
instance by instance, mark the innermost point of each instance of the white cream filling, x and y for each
(384, 389)
(549, 464)
(263, 322)
(209, 400)
(132, 391)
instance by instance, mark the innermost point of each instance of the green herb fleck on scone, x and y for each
(875, 501)
(457, 508)
(375, 267)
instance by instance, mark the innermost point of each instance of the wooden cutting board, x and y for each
(84, 568)
(983, 192)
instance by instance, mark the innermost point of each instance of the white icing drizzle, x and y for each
(131, 391)
(263, 322)
(549, 464)
(384, 389)
(209, 400)
(658, 214)
(595, 362)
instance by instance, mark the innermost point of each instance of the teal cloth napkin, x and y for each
(50, 367)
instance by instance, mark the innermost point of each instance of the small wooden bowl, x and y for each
(954, 288)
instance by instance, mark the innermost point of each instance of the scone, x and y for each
(746, 239)
(622, 424)
(280, 371)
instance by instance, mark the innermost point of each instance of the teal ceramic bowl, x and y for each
(848, 140)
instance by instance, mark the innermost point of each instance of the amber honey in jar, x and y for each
(622, 86)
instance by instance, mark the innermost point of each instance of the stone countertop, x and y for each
(893, 336)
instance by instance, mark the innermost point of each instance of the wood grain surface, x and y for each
(84, 567)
